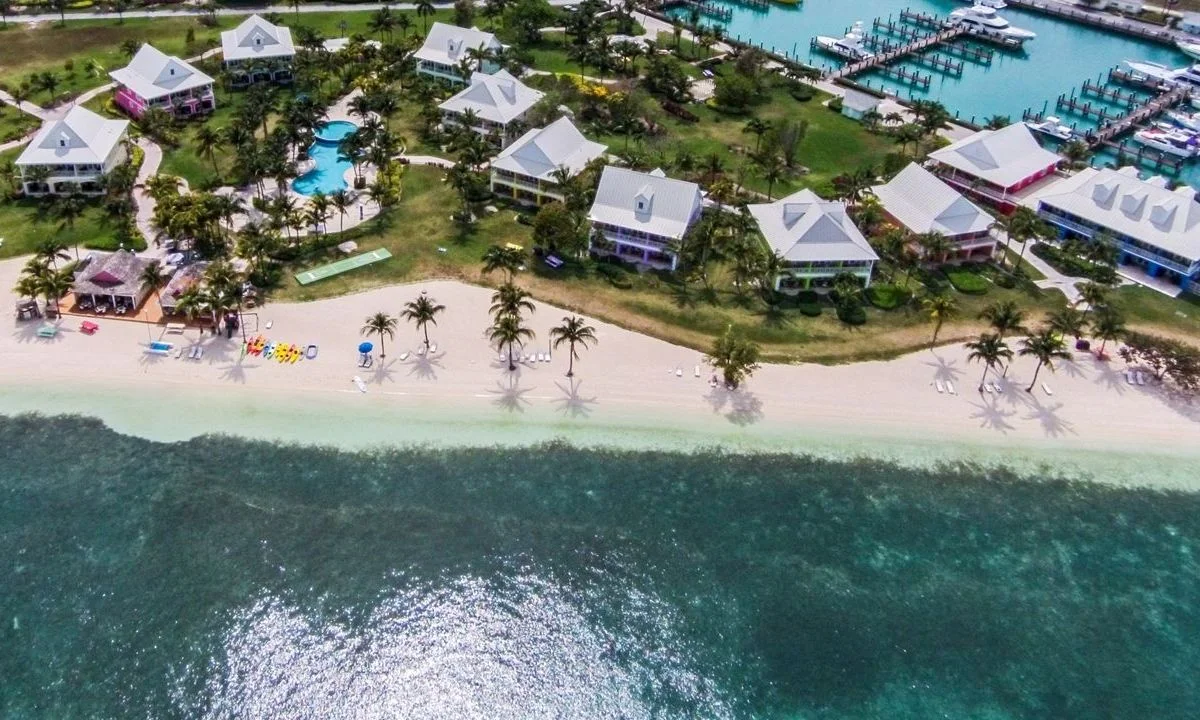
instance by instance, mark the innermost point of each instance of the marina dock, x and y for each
(1124, 124)
(1145, 31)
(881, 60)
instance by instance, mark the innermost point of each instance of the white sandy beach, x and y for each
(625, 393)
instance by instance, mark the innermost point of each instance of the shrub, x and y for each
(887, 297)
(835, 105)
(810, 309)
(615, 274)
(1073, 265)
(966, 281)
(852, 313)
(801, 92)
(810, 297)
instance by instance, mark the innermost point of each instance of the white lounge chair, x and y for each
(697, 371)
(199, 352)
(421, 351)
(1129, 378)
(999, 388)
(678, 372)
(403, 356)
(1047, 389)
(950, 388)
(940, 388)
(1141, 378)
(988, 388)
(433, 348)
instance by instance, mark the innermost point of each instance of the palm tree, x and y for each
(340, 200)
(935, 245)
(1022, 226)
(1004, 317)
(424, 10)
(69, 208)
(422, 312)
(736, 356)
(940, 308)
(574, 331)
(1047, 346)
(772, 169)
(382, 22)
(1107, 324)
(507, 330)
(208, 141)
(52, 250)
(1094, 295)
(154, 277)
(380, 324)
(55, 285)
(500, 257)
(990, 349)
(511, 300)
(1067, 321)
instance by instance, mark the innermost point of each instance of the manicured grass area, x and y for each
(15, 124)
(1152, 311)
(25, 223)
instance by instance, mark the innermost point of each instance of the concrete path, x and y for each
(1054, 279)
(24, 106)
(226, 12)
(142, 202)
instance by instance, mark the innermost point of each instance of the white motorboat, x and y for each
(1189, 76)
(994, 4)
(1172, 142)
(1053, 127)
(982, 21)
(1188, 121)
(1189, 48)
(1144, 69)
(850, 46)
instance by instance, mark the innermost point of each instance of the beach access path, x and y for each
(627, 381)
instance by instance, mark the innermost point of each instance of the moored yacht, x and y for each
(1053, 127)
(982, 21)
(1188, 121)
(1171, 141)
(994, 4)
(850, 46)
(1191, 49)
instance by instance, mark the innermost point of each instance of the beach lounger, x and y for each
(176, 328)
(311, 352)
(1047, 389)
(179, 353)
(433, 348)
(403, 356)
(950, 388)
(999, 388)
(421, 351)
(1129, 378)
(697, 371)
(1141, 378)
(940, 388)
(678, 372)
(358, 383)
(199, 353)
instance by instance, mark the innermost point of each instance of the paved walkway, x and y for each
(1054, 279)
(142, 202)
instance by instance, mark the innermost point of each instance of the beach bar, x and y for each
(114, 279)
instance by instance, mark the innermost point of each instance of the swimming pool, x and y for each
(330, 166)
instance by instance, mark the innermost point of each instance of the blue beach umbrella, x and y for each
(365, 347)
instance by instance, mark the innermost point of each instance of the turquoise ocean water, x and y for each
(1059, 60)
(221, 578)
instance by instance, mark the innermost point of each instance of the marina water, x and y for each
(220, 578)
(1059, 60)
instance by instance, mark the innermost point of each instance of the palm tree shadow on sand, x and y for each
(1052, 425)
(424, 367)
(740, 407)
(993, 417)
(508, 395)
(571, 403)
(944, 371)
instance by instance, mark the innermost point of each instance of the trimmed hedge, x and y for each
(810, 309)
(966, 281)
(852, 314)
(1072, 265)
(888, 297)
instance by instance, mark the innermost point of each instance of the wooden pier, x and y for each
(881, 60)
(934, 61)
(982, 56)
(1079, 106)
(1124, 124)
(1147, 157)
(1124, 77)
(904, 32)
(1114, 95)
(920, 19)
(705, 8)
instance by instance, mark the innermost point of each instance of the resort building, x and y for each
(1156, 230)
(155, 80)
(527, 170)
(917, 200)
(815, 239)
(257, 51)
(996, 165)
(642, 217)
(72, 154)
(183, 280)
(1189, 22)
(113, 280)
(447, 46)
(498, 104)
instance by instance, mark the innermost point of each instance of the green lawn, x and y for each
(14, 123)
(23, 224)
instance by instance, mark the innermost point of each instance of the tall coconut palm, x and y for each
(383, 325)
(209, 141)
(507, 331)
(1022, 226)
(1067, 321)
(1107, 324)
(512, 301)
(757, 127)
(935, 246)
(425, 8)
(989, 349)
(574, 331)
(55, 284)
(1046, 346)
(735, 356)
(1094, 295)
(154, 276)
(1004, 317)
(940, 308)
(341, 201)
(52, 250)
(501, 257)
(422, 312)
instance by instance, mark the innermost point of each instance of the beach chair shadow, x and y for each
(509, 395)
(993, 417)
(572, 403)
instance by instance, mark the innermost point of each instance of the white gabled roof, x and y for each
(539, 152)
(80, 137)
(923, 203)
(861, 101)
(257, 38)
(667, 205)
(500, 98)
(448, 44)
(152, 74)
(1141, 209)
(1003, 157)
(804, 228)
